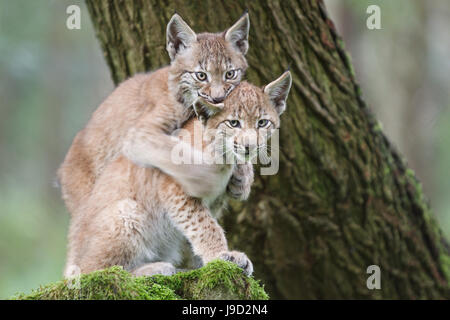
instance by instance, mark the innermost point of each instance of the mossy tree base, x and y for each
(215, 281)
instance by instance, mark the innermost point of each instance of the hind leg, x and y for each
(150, 269)
(110, 237)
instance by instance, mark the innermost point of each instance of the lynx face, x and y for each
(247, 120)
(206, 65)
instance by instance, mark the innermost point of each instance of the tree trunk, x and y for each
(343, 198)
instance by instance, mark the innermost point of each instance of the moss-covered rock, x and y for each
(217, 280)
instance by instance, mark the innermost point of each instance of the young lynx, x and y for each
(142, 219)
(136, 119)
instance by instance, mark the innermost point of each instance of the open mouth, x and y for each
(209, 103)
(204, 108)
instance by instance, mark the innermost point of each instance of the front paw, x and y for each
(241, 182)
(238, 258)
(238, 190)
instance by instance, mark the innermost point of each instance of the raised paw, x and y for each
(238, 258)
(241, 181)
(150, 269)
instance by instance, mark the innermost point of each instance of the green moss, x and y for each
(378, 127)
(217, 280)
(109, 284)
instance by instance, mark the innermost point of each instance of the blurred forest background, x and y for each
(53, 78)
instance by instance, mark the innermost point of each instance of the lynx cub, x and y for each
(136, 120)
(142, 219)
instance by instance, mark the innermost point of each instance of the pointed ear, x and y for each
(278, 91)
(205, 110)
(179, 36)
(238, 34)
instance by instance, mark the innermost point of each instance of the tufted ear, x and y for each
(179, 36)
(237, 34)
(278, 91)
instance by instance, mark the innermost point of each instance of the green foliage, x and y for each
(217, 280)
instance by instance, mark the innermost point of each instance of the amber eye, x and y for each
(234, 123)
(201, 76)
(230, 74)
(262, 123)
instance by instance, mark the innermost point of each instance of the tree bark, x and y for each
(343, 198)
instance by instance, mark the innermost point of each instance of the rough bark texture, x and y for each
(343, 198)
